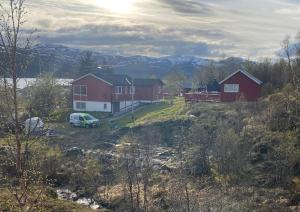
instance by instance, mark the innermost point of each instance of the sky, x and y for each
(203, 28)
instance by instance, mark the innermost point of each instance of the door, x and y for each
(81, 121)
(116, 107)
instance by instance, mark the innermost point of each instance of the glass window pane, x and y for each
(83, 90)
(77, 89)
(231, 88)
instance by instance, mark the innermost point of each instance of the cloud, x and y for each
(289, 11)
(167, 41)
(204, 28)
(189, 7)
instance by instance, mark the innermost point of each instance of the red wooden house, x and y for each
(240, 85)
(148, 90)
(113, 92)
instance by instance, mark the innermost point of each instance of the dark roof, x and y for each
(147, 82)
(115, 79)
(122, 79)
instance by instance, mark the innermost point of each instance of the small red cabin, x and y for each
(240, 85)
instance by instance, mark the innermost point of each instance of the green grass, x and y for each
(159, 112)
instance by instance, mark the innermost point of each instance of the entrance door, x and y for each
(116, 107)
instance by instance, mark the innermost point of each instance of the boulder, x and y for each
(74, 151)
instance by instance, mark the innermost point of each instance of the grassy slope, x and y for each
(154, 113)
(93, 138)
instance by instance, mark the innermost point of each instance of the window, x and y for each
(231, 88)
(159, 90)
(80, 105)
(105, 106)
(118, 90)
(132, 89)
(125, 90)
(80, 90)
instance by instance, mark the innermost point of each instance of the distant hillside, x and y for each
(64, 62)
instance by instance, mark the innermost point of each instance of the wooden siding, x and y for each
(97, 90)
(248, 89)
(100, 91)
(202, 97)
(149, 93)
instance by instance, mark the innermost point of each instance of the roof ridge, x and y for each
(250, 76)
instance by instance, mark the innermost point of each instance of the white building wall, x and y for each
(99, 106)
(94, 106)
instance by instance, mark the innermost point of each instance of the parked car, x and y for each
(83, 120)
(34, 125)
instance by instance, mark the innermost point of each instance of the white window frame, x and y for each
(80, 90)
(231, 88)
(118, 90)
(159, 89)
(82, 105)
(132, 90)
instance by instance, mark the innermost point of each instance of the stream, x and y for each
(66, 194)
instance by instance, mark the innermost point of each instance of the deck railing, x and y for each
(202, 97)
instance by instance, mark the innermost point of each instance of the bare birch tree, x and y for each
(15, 56)
(287, 49)
(13, 52)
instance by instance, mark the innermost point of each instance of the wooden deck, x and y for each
(202, 97)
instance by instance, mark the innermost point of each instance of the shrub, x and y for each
(60, 115)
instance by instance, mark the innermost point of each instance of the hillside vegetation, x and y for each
(176, 155)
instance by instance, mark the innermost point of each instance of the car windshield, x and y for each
(89, 117)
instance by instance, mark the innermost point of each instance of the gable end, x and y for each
(92, 75)
(254, 79)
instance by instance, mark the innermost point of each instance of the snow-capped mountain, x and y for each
(64, 62)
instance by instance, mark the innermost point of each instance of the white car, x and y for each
(83, 120)
(34, 124)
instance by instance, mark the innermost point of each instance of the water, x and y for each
(25, 82)
(66, 194)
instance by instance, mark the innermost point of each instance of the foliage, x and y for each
(87, 64)
(208, 75)
(284, 110)
(173, 82)
(60, 115)
(45, 96)
(201, 137)
(229, 156)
